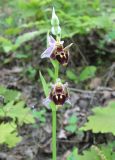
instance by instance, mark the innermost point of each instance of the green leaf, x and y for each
(9, 20)
(13, 139)
(8, 134)
(44, 84)
(12, 31)
(26, 37)
(17, 110)
(71, 128)
(111, 35)
(51, 73)
(9, 94)
(31, 72)
(72, 124)
(71, 75)
(87, 73)
(7, 45)
(103, 119)
(72, 120)
(54, 73)
(73, 155)
(40, 115)
(94, 153)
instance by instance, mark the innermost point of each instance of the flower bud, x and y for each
(54, 20)
(56, 30)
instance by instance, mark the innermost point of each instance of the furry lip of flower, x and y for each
(59, 94)
(57, 51)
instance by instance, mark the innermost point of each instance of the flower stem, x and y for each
(54, 133)
(57, 38)
(56, 70)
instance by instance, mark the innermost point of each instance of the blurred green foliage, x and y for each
(72, 124)
(76, 16)
(86, 73)
(13, 113)
(8, 134)
(100, 152)
(96, 122)
(40, 115)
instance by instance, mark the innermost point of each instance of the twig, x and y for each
(110, 73)
(99, 89)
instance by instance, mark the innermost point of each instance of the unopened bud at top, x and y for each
(56, 30)
(54, 20)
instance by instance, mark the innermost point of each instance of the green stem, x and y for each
(58, 38)
(56, 70)
(54, 133)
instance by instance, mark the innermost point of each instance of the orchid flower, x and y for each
(57, 51)
(59, 94)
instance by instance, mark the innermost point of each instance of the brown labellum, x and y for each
(59, 94)
(61, 54)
